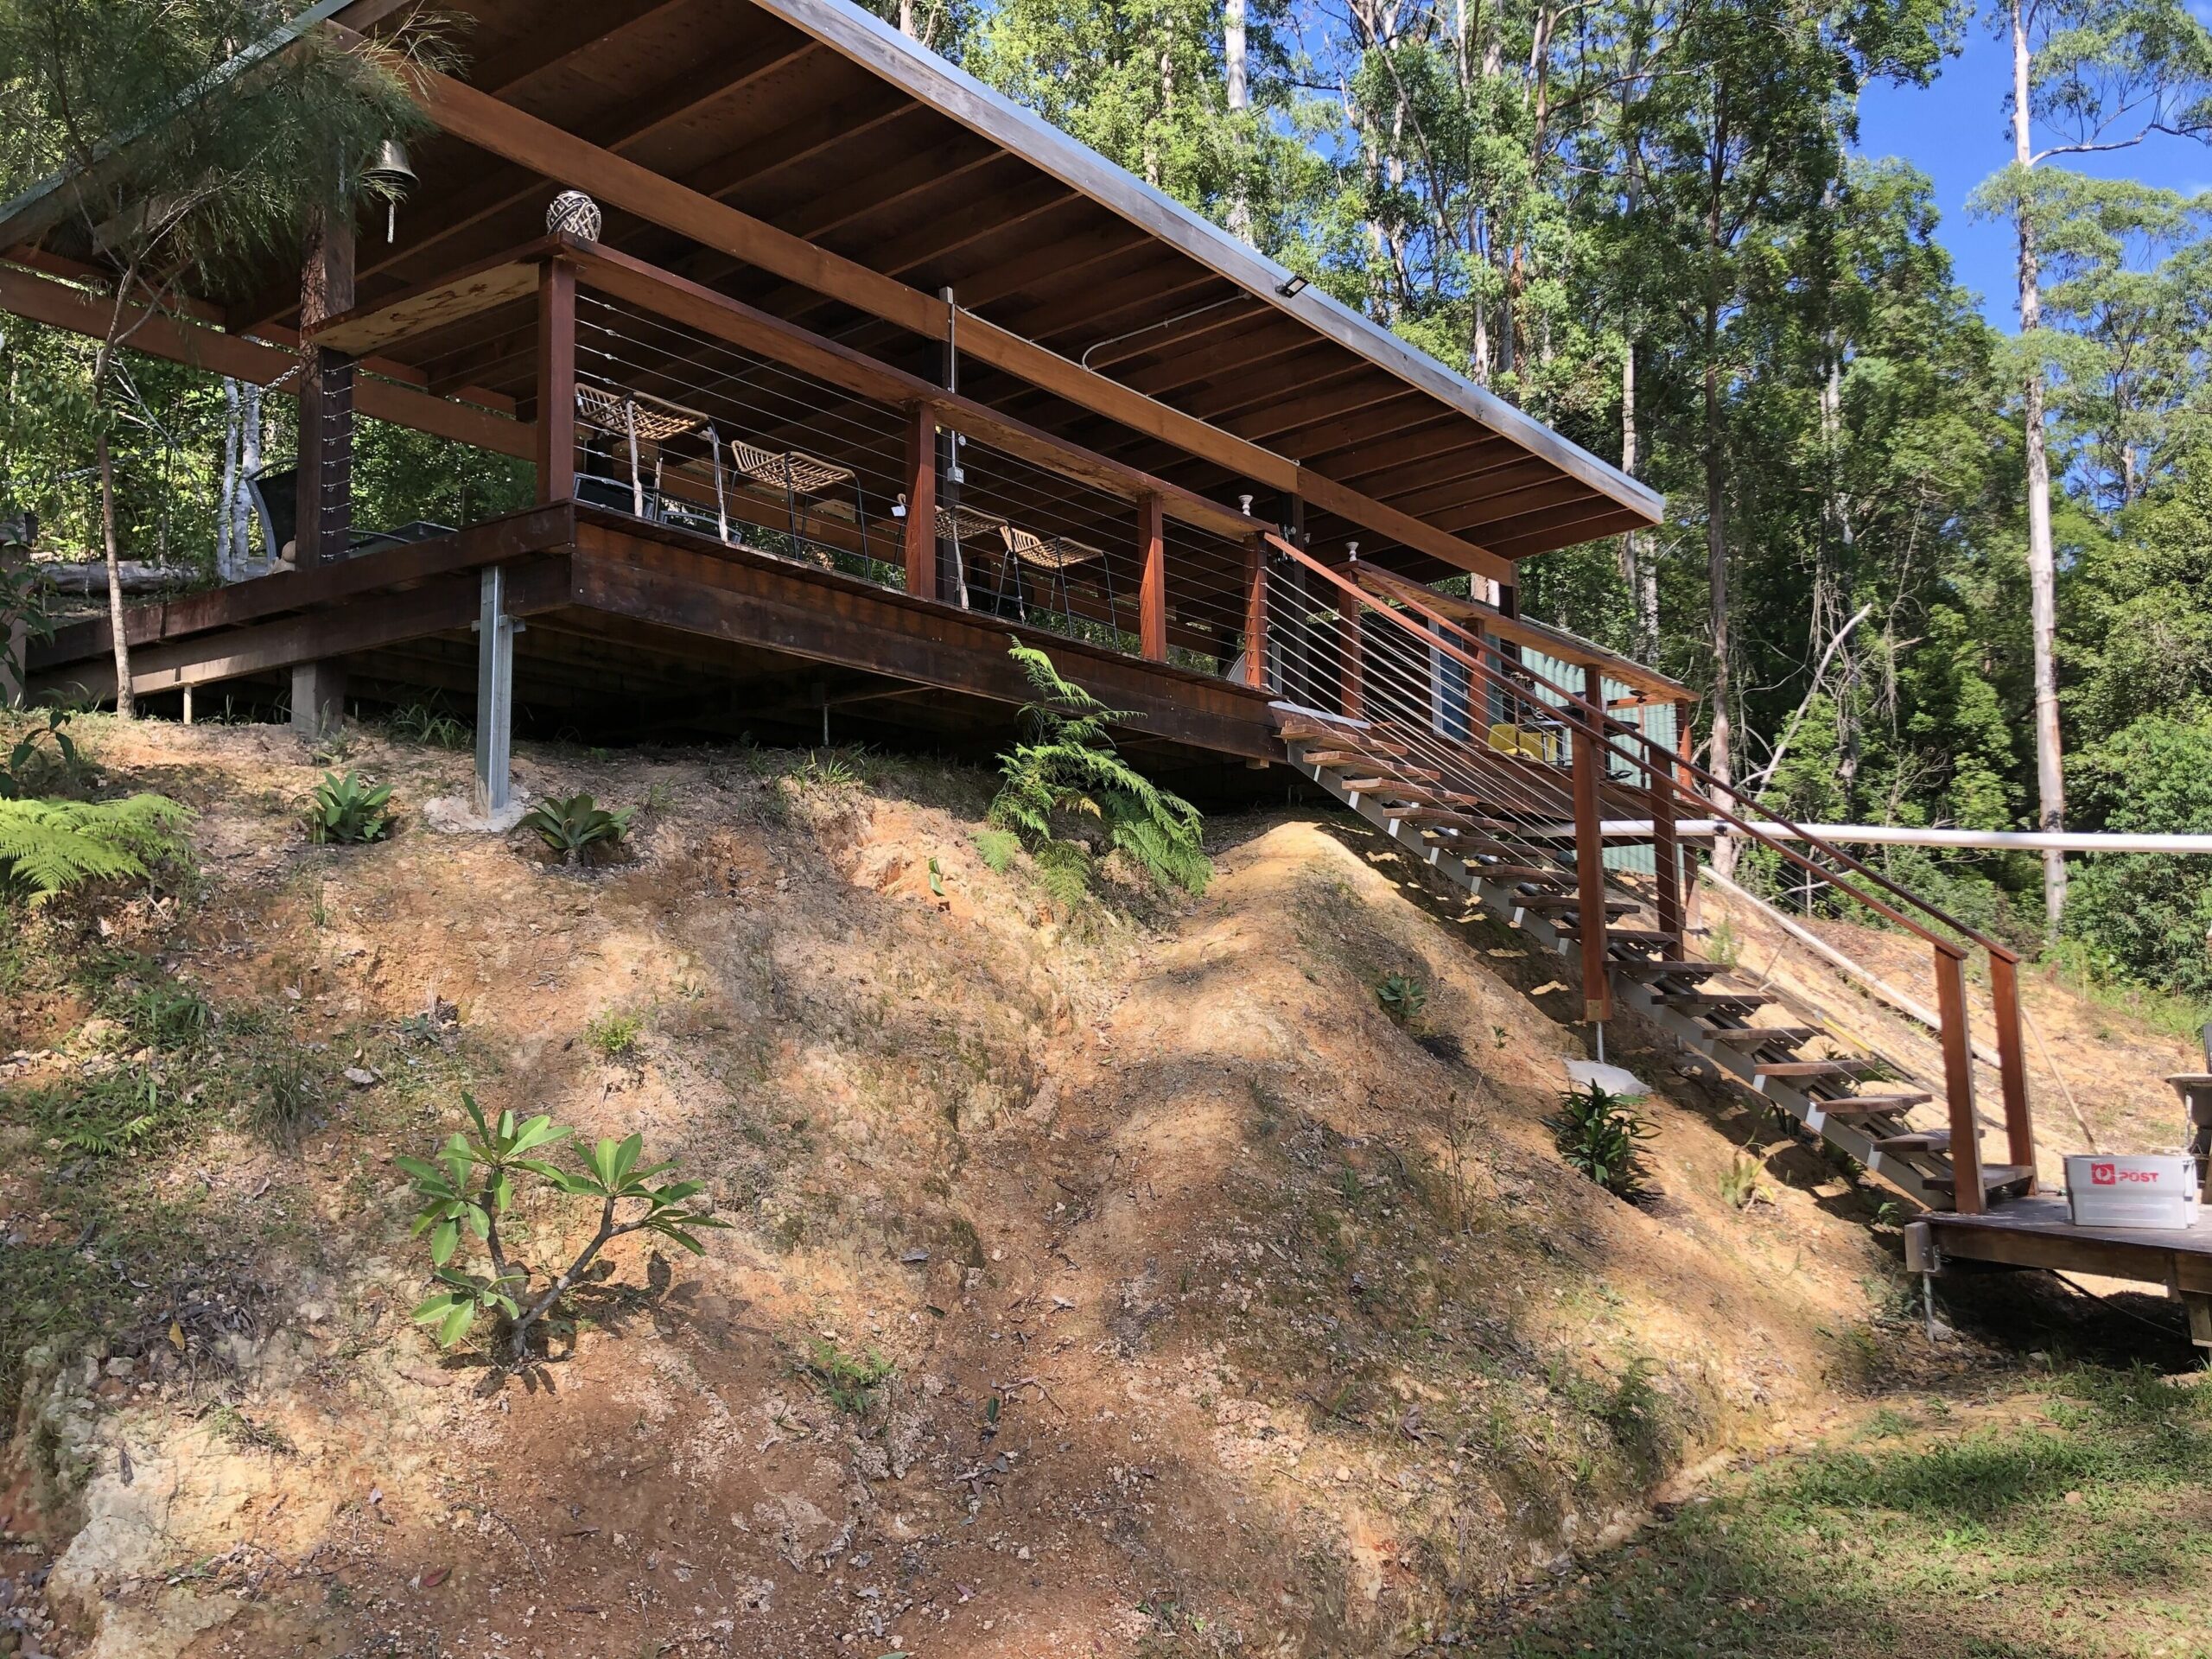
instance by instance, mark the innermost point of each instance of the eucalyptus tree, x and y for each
(2088, 76)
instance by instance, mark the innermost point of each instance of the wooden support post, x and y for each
(495, 694)
(1352, 656)
(323, 516)
(1255, 614)
(2012, 1062)
(556, 381)
(1958, 1079)
(1152, 585)
(1688, 784)
(921, 502)
(1590, 861)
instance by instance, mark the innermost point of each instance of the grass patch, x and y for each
(2072, 1520)
(613, 1034)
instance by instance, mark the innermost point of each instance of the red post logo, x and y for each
(2103, 1175)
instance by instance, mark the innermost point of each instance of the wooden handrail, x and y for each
(1573, 716)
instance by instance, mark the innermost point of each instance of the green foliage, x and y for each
(1603, 1138)
(996, 848)
(1068, 771)
(424, 723)
(1402, 996)
(349, 810)
(466, 1190)
(574, 826)
(612, 1032)
(50, 847)
(1742, 1183)
(848, 1382)
(43, 750)
(2143, 917)
(285, 1094)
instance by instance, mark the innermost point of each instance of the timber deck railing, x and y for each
(1521, 755)
(673, 403)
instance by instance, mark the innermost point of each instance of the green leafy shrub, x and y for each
(50, 847)
(468, 1188)
(613, 1034)
(1602, 1137)
(574, 826)
(996, 848)
(1402, 996)
(349, 810)
(41, 751)
(1068, 769)
(847, 1381)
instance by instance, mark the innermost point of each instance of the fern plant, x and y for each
(1069, 767)
(575, 825)
(50, 847)
(348, 809)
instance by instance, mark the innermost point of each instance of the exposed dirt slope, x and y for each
(1223, 1312)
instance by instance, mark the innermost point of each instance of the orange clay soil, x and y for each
(1220, 1311)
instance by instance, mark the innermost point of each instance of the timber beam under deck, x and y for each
(624, 620)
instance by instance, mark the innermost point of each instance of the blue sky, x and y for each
(1956, 131)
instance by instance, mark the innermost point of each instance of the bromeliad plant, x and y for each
(348, 809)
(468, 1189)
(575, 825)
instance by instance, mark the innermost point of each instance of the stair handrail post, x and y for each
(2011, 1061)
(1590, 868)
(1968, 1196)
(1666, 846)
(1151, 579)
(1352, 656)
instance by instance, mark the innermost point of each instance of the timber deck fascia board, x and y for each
(535, 530)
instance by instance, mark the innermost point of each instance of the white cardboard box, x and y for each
(2142, 1191)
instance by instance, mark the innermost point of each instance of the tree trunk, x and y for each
(123, 705)
(2042, 563)
(229, 557)
(240, 506)
(1724, 849)
(1240, 99)
(1638, 574)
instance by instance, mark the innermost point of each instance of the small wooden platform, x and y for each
(2037, 1232)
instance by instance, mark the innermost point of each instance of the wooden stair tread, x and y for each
(1305, 728)
(1366, 754)
(1922, 1141)
(1715, 999)
(1660, 967)
(1830, 1068)
(1520, 873)
(1759, 1036)
(1382, 778)
(1647, 938)
(1872, 1105)
(1443, 816)
(1573, 901)
(1993, 1177)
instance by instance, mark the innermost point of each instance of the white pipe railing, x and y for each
(1897, 835)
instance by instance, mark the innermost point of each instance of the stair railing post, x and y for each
(2012, 1062)
(1255, 614)
(1666, 849)
(1958, 1080)
(1352, 656)
(1590, 860)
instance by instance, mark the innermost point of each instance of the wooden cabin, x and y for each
(843, 369)
(836, 371)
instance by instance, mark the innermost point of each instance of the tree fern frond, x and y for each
(49, 847)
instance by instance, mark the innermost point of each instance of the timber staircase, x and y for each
(1512, 786)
